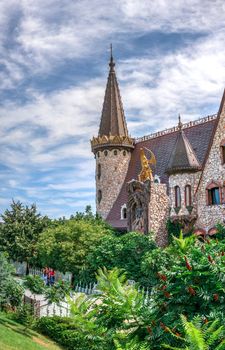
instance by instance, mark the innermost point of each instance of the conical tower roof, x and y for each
(183, 157)
(113, 128)
(113, 120)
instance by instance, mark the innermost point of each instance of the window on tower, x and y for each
(99, 196)
(99, 172)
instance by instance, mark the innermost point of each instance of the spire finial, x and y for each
(180, 124)
(111, 63)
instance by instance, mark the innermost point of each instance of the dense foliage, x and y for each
(10, 291)
(35, 284)
(65, 245)
(119, 317)
(126, 252)
(19, 232)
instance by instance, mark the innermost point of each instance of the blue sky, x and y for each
(170, 59)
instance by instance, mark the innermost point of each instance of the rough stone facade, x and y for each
(114, 164)
(214, 172)
(148, 209)
(159, 213)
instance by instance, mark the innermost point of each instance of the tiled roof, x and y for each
(183, 157)
(199, 136)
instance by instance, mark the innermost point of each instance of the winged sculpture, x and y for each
(146, 171)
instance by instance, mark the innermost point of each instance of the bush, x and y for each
(57, 292)
(24, 315)
(125, 252)
(35, 284)
(10, 291)
(63, 330)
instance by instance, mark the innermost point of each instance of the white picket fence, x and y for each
(43, 308)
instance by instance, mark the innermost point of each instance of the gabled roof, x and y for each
(183, 157)
(113, 120)
(162, 144)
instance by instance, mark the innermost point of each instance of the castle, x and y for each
(187, 183)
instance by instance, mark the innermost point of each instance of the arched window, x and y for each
(99, 196)
(177, 197)
(157, 179)
(99, 173)
(123, 212)
(188, 199)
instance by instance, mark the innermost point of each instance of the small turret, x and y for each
(112, 147)
(183, 158)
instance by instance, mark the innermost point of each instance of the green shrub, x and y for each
(35, 284)
(25, 315)
(10, 290)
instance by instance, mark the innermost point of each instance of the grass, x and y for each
(14, 337)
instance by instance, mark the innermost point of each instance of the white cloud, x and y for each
(48, 132)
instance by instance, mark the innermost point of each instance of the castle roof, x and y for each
(183, 157)
(198, 134)
(113, 120)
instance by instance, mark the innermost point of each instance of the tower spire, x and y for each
(111, 62)
(113, 127)
(113, 120)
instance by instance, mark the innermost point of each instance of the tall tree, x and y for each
(65, 246)
(20, 230)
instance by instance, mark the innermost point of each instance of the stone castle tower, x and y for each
(112, 147)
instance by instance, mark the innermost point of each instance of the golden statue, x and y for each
(146, 171)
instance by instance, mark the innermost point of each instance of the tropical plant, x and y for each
(198, 336)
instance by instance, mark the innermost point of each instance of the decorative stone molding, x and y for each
(103, 142)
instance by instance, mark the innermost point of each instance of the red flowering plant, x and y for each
(191, 282)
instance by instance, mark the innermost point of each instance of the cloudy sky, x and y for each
(170, 59)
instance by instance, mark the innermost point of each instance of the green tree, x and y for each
(125, 252)
(19, 232)
(66, 245)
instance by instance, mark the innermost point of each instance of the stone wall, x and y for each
(159, 213)
(210, 215)
(114, 165)
(182, 180)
